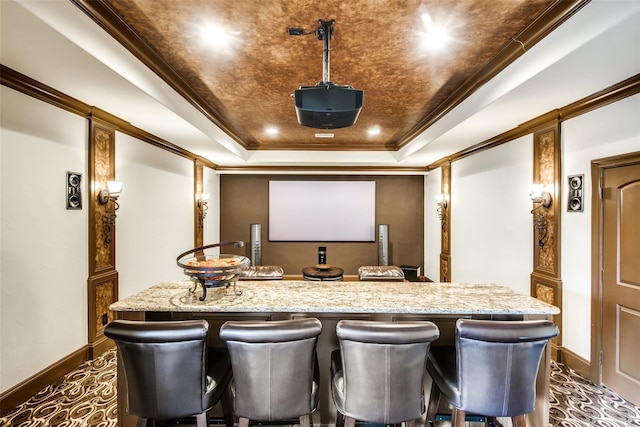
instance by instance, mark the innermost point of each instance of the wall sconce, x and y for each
(538, 195)
(203, 206)
(442, 203)
(106, 195)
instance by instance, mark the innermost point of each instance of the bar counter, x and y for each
(286, 296)
(442, 303)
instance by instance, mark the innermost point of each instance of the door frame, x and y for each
(597, 178)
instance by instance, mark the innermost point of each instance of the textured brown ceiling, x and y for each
(375, 47)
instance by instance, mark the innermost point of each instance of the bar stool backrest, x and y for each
(383, 369)
(274, 367)
(165, 366)
(498, 364)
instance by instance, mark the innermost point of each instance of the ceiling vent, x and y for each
(326, 105)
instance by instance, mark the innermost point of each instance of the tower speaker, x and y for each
(255, 244)
(74, 195)
(575, 202)
(383, 244)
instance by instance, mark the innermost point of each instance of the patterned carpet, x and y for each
(87, 397)
(84, 397)
(576, 402)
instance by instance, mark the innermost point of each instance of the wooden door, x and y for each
(621, 280)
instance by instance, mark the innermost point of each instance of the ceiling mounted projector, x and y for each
(326, 105)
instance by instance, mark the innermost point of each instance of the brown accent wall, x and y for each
(244, 200)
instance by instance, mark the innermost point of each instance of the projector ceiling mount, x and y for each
(324, 33)
(326, 105)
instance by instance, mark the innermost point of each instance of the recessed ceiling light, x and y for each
(374, 130)
(324, 135)
(271, 130)
(434, 37)
(218, 37)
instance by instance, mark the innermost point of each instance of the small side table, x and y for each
(322, 274)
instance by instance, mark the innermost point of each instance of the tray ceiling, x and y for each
(246, 88)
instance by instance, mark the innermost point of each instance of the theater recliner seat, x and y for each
(262, 272)
(386, 273)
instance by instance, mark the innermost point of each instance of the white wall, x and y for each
(607, 131)
(432, 225)
(155, 219)
(491, 227)
(43, 246)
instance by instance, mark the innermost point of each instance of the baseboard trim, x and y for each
(577, 363)
(20, 393)
(556, 352)
(98, 347)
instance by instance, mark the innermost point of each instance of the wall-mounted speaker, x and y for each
(74, 193)
(255, 244)
(575, 201)
(383, 244)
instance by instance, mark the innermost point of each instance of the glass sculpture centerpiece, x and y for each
(211, 269)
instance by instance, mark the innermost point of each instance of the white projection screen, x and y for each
(322, 211)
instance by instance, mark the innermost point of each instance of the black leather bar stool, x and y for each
(377, 375)
(275, 367)
(170, 373)
(491, 370)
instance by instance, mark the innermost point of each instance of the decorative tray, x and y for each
(213, 270)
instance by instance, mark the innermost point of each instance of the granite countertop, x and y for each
(337, 297)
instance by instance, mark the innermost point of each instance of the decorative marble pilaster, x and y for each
(101, 161)
(198, 189)
(102, 293)
(445, 247)
(546, 283)
(546, 151)
(102, 284)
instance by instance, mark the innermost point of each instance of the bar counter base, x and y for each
(330, 302)
(325, 415)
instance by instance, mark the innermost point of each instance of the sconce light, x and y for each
(442, 203)
(538, 195)
(106, 195)
(203, 206)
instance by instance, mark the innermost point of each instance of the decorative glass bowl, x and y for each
(213, 270)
